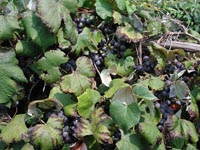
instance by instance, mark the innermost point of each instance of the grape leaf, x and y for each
(131, 142)
(189, 131)
(105, 77)
(128, 33)
(8, 24)
(47, 136)
(48, 66)
(79, 80)
(50, 12)
(160, 53)
(150, 132)
(49, 103)
(27, 48)
(85, 66)
(69, 29)
(87, 101)
(117, 17)
(114, 86)
(121, 4)
(192, 108)
(10, 74)
(126, 116)
(179, 89)
(37, 31)
(75, 83)
(143, 92)
(71, 5)
(9, 134)
(181, 129)
(87, 39)
(96, 127)
(62, 41)
(57, 94)
(124, 95)
(104, 8)
(27, 146)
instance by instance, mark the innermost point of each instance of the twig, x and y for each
(191, 47)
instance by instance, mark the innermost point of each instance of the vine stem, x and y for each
(191, 47)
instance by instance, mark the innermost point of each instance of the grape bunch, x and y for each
(174, 66)
(82, 22)
(69, 66)
(146, 66)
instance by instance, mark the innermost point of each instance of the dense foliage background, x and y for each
(99, 74)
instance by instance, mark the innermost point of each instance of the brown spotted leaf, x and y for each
(96, 127)
(9, 134)
(47, 136)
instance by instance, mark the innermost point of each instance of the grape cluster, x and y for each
(146, 66)
(118, 47)
(167, 105)
(82, 22)
(69, 133)
(69, 66)
(174, 66)
(70, 123)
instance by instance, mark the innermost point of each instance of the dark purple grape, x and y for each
(116, 45)
(82, 19)
(88, 22)
(80, 25)
(122, 48)
(146, 58)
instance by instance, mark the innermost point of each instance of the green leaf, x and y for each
(85, 66)
(27, 146)
(150, 132)
(57, 94)
(126, 116)
(70, 31)
(128, 33)
(10, 74)
(143, 92)
(8, 24)
(189, 131)
(87, 101)
(125, 66)
(156, 83)
(160, 53)
(181, 129)
(37, 31)
(47, 136)
(131, 142)
(124, 95)
(75, 83)
(48, 66)
(34, 107)
(154, 27)
(192, 108)
(130, 7)
(71, 5)
(121, 4)
(96, 127)
(104, 8)
(63, 43)
(26, 48)
(87, 40)
(50, 13)
(105, 77)
(117, 17)
(179, 89)
(114, 86)
(9, 134)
